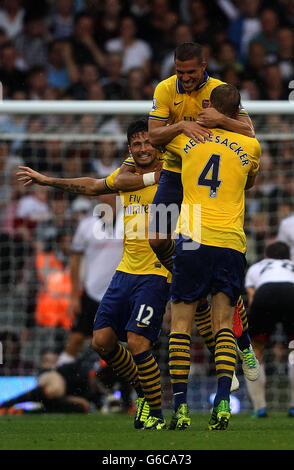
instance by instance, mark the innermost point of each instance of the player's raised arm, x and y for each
(85, 185)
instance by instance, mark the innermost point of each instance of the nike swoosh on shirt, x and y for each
(141, 326)
(179, 102)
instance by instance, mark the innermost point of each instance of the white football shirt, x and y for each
(270, 270)
(286, 233)
(101, 254)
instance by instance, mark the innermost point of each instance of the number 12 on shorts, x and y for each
(213, 183)
(143, 309)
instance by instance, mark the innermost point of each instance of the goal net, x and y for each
(74, 139)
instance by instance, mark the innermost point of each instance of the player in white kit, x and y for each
(270, 288)
(95, 253)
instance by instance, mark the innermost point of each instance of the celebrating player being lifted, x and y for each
(180, 105)
(134, 304)
(209, 251)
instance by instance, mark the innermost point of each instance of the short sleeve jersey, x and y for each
(214, 175)
(172, 104)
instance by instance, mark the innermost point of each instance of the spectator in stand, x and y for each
(61, 21)
(249, 91)
(113, 83)
(286, 52)
(107, 160)
(137, 86)
(60, 216)
(135, 52)
(204, 30)
(243, 28)
(34, 206)
(12, 75)
(58, 74)
(37, 82)
(256, 61)
(227, 58)
(158, 33)
(31, 42)
(274, 87)
(83, 47)
(89, 75)
(183, 33)
(268, 35)
(11, 17)
(107, 25)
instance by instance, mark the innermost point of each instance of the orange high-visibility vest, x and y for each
(54, 293)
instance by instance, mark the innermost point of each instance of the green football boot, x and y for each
(180, 419)
(155, 423)
(220, 416)
(142, 413)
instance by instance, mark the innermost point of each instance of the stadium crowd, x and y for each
(120, 50)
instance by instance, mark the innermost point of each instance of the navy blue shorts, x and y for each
(133, 303)
(169, 193)
(205, 270)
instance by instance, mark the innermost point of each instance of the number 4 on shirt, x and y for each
(213, 183)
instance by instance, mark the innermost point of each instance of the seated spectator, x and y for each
(268, 35)
(183, 33)
(256, 61)
(34, 206)
(113, 83)
(31, 42)
(274, 87)
(286, 52)
(11, 17)
(227, 58)
(58, 73)
(157, 28)
(106, 160)
(37, 82)
(84, 48)
(242, 29)
(89, 75)
(137, 87)
(61, 21)
(203, 28)
(249, 90)
(107, 24)
(15, 124)
(12, 75)
(135, 52)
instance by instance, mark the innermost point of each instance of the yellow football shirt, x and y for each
(172, 104)
(214, 176)
(138, 257)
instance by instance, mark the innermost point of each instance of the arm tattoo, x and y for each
(72, 188)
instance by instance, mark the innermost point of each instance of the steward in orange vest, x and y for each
(54, 293)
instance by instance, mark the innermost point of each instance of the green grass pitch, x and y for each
(116, 432)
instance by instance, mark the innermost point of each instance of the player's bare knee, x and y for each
(102, 343)
(137, 343)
